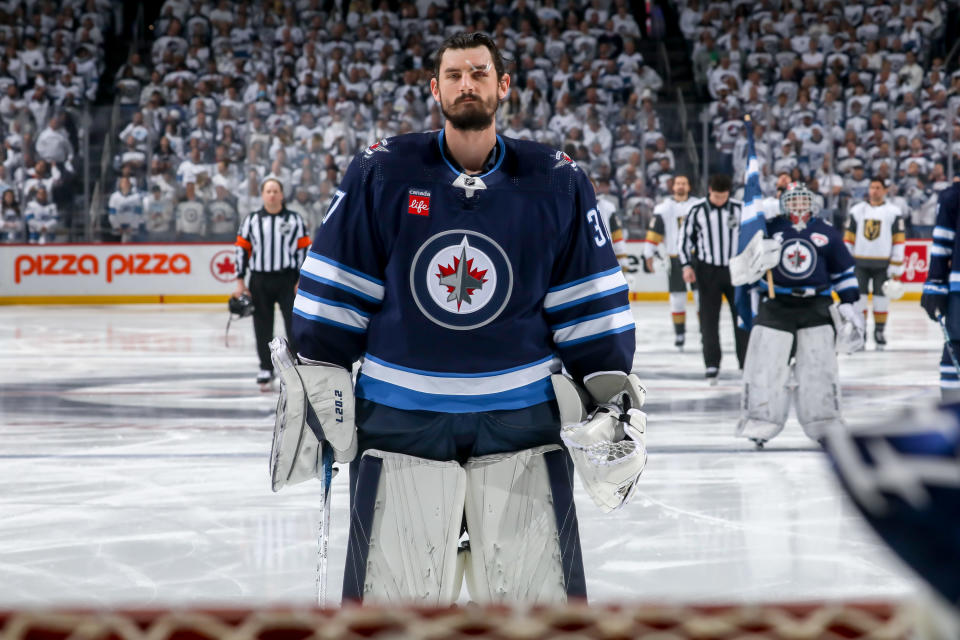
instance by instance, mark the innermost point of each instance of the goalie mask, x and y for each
(799, 204)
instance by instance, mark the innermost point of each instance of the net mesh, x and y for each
(833, 621)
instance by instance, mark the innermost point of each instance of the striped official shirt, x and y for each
(710, 233)
(269, 243)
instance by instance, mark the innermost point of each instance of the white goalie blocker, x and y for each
(315, 407)
(759, 256)
(607, 446)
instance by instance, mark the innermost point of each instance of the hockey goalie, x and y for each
(467, 272)
(791, 357)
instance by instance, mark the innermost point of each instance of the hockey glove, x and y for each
(934, 298)
(852, 330)
(607, 446)
(759, 256)
(315, 410)
(895, 270)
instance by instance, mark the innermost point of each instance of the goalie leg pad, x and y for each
(404, 530)
(524, 538)
(765, 401)
(818, 387)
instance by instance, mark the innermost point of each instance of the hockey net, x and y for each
(824, 621)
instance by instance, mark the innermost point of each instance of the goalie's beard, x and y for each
(472, 115)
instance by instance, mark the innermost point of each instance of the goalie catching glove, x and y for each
(759, 256)
(315, 410)
(607, 445)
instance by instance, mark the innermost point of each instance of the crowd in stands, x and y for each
(237, 91)
(51, 62)
(230, 92)
(840, 93)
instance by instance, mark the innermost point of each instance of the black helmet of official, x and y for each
(241, 305)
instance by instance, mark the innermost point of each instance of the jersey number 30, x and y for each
(599, 237)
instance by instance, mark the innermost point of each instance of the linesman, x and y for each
(707, 242)
(271, 245)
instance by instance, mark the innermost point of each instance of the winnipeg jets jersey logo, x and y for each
(564, 160)
(461, 279)
(378, 146)
(798, 259)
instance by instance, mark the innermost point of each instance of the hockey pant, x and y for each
(406, 519)
(765, 402)
(870, 280)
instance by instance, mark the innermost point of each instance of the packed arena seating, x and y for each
(51, 66)
(223, 94)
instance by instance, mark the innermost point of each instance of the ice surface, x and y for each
(133, 471)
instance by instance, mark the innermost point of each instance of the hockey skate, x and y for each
(880, 339)
(711, 376)
(265, 380)
(679, 340)
(759, 442)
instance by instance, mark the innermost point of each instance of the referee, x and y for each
(707, 241)
(271, 245)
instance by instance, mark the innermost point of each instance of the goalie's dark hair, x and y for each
(720, 182)
(465, 40)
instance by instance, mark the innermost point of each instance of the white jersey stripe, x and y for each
(317, 267)
(600, 285)
(594, 327)
(450, 385)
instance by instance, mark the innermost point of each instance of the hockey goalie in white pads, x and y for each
(798, 327)
(315, 406)
(607, 446)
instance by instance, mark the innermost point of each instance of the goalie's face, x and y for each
(468, 89)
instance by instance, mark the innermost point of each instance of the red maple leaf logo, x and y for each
(225, 266)
(475, 275)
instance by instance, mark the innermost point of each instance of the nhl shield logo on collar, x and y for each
(419, 202)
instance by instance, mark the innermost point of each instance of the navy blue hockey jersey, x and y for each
(813, 261)
(463, 298)
(944, 270)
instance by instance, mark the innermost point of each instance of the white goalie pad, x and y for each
(818, 387)
(765, 401)
(415, 533)
(893, 289)
(759, 256)
(850, 326)
(316, 403)
(515, 553)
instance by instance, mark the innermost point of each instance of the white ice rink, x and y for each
(133, 471)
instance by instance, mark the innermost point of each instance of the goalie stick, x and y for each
(324, 533)
(282, 359)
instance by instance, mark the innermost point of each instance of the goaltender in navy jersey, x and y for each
(813, 261)
(461, 293)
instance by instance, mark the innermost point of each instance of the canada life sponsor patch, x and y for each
(819, 239)
(418, 202)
